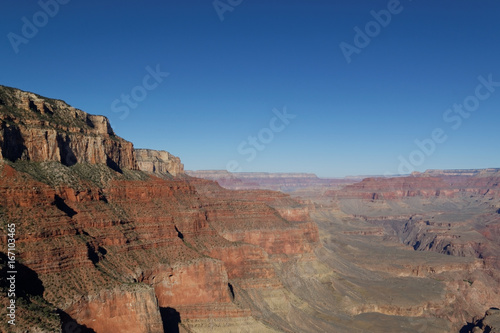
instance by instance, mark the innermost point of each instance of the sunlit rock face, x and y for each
(33, 128)
(159, 162)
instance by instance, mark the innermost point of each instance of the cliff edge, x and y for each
(35, 128)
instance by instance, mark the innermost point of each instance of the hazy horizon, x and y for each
(334, 89)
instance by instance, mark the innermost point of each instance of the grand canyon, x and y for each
(109, 238)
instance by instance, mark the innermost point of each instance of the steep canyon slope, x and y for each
(109, 239)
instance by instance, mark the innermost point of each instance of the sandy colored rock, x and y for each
(159, 162)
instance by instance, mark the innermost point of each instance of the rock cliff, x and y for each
(159, 162)
(34, 128)
(285, 182)
(432, 184)
(490, 323)
(116, 249)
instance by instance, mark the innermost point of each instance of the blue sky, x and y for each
(225, 78)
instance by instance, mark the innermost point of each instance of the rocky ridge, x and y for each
(34, 128)
(285, 182)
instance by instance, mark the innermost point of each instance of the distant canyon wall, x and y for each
(159, 162)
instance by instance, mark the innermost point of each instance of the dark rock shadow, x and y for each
(113, 165)
(231, 290)
(62, 206)
(66, 154)
(27, 281)
(179, 234)
(92, 254)
(70, 325)
(95, 254)
(89, 122)
(13, 144)
(467, 328)
(171, 319)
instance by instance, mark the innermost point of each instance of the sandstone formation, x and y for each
(159, 162)
(127, 310)
(33, 128)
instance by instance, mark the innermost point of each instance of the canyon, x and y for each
(110, 238)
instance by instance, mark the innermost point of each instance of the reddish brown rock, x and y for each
(34, 128)
(119, 310)
(422, 185)
(97, 238)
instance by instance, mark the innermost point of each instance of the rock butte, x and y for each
(115, 239)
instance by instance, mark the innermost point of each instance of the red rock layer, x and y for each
(423, 186)
(114, 246)
(119, 311)
(87, 241)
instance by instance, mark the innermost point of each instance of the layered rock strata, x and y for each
(34, 128)
(114, 249)
(159, 162)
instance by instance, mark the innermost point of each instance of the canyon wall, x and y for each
(33, 128)
(285, 182)
(159, 162)
(432, 184)
(115, 243)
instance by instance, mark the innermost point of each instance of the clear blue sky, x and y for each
(226, 77)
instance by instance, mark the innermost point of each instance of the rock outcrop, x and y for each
(490, 323)
(34, 128)
(159, 162)
(133, 310)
